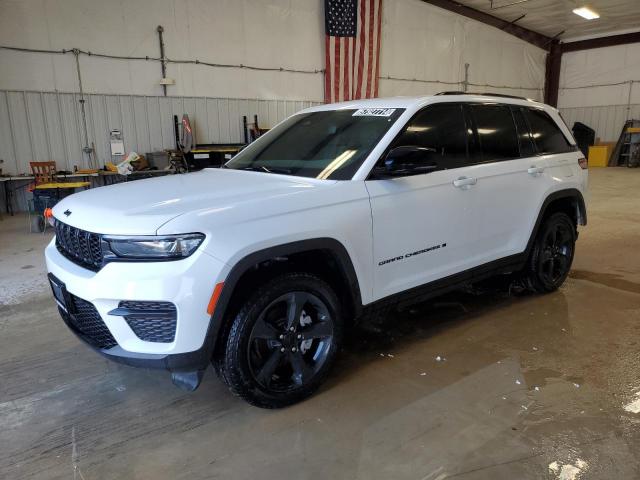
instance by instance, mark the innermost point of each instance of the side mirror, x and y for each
(408, 160)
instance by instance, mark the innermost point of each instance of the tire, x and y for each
(283, 341)
(552, 254)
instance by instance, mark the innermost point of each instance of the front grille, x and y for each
(81, 247)
(150, 321)
(86, 321)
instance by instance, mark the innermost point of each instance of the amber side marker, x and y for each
(214, 298)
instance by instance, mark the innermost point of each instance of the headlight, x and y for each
(166, 247)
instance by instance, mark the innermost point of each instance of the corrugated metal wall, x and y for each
(39, 126)
(607, 121)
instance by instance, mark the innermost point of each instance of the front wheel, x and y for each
(552, 254)
(283, 341)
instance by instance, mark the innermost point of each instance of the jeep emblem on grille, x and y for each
(67, 212)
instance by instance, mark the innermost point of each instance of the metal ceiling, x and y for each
(550, 17)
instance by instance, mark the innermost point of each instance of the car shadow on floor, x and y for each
(498, 312)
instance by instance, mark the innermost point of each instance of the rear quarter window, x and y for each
(546, 134)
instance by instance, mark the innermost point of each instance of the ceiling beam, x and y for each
(534, 38)
(600, 42)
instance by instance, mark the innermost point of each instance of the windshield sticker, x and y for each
(374, 112)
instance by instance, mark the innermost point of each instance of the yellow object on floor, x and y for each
(598, 155)
(43, 186)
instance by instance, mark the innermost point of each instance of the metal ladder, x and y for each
(627, 151)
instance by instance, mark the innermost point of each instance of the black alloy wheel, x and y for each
(557, 253)
(283, 341)
(552, 253)
(290, 341)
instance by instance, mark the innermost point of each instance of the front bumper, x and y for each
(188, 284)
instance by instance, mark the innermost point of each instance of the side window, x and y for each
(546, 134)
(440, 127)
(524, 136)
(496, 132)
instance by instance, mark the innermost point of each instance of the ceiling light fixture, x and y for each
(586, 12)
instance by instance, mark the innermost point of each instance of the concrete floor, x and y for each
(526, 386)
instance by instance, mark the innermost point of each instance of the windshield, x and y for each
(325, 145)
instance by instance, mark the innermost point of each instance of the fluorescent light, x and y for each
(586, 12)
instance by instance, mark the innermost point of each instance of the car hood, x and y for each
(143, 206)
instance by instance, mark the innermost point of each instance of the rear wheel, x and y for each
(283, 341)
(552, 254)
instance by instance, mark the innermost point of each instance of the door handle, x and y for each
(533, 170)
(464, 182)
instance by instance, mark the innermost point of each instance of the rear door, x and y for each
(422, 226)
(510, 178)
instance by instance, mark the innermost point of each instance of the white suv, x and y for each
(341, 209)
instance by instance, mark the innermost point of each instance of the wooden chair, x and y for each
(44, 172)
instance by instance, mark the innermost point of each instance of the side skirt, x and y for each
(402, 300)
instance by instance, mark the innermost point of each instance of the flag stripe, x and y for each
(336, 72)
(360, 59)
(327, 77)
(352, 94)
(347, 69)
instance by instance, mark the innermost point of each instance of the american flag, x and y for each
(352, 49)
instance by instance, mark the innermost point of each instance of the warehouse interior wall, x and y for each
(424, 50)
(248, 32)
(422, 43)
(601, 88)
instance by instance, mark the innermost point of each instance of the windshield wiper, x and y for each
(262, 168)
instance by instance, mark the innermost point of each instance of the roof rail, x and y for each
(485, 94)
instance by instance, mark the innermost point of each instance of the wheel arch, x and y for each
(570, 201)
(326, 248)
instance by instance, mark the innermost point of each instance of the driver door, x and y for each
(423, 228)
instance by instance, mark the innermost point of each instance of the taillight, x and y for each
(584, 164)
